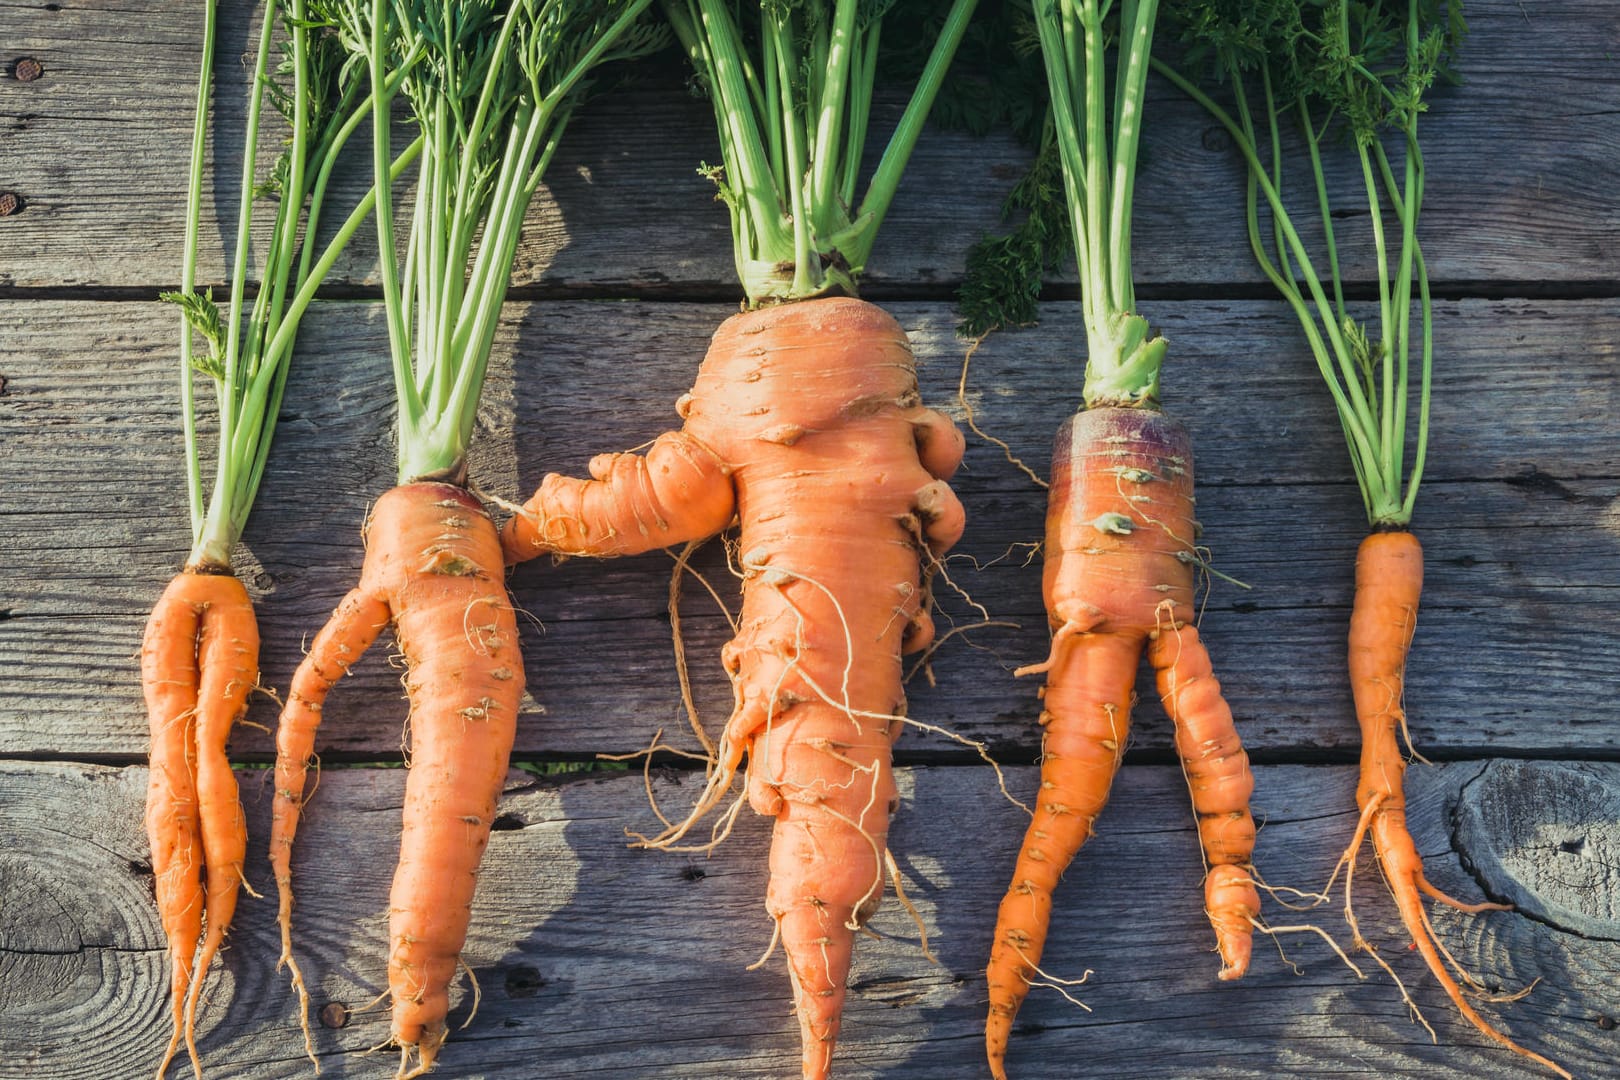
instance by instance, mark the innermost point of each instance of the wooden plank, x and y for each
(625, 211)
(596, 959)
(1509, 645)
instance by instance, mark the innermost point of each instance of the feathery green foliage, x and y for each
(490, 85)
(1359, 69)
(249, 347)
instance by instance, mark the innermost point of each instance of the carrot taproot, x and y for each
(432, 570)
(1389, 583)
(805, 422)
(1118, 581)
(199, 662)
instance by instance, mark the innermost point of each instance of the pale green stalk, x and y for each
(188, 266)
(791, 136)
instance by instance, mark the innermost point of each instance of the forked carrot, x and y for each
(1118, 579)
(805, 422)
(491, 88)
(199, 662)
(1121, 540)
(433, 570)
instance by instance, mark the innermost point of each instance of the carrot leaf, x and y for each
(1362, 70)
(490, 86)
(792, 86)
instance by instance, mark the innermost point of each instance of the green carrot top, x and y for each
(792, 85)
(1079, 192)
(248, 349)
(491, 85)
(1360, 70)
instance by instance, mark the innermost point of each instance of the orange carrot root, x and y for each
(805, 422)
(1119, 577)
(433, 567)
(1389, 583)
(199, 662)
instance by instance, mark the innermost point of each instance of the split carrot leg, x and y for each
(433, 567)
(1389, 583)
(1086, 724)
(199, 662)
(1219, 780)
(356, 623)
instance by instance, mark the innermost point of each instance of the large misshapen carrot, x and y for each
(1118, 578)
(805, 421)
(1389, 582)
(433, 569)
(199, 662)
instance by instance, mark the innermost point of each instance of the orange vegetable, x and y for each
(1118, 578)
(433, 569)
(1389, 580)
(805, 421)
(199, 661)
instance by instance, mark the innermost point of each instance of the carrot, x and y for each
(491, 89)
(1362, 77)
(804, 420)
(433, 570)
(199, 660)
(1389, 581)
(1119, 579)
(1120, 546)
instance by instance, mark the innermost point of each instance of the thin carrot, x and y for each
(805, 422)
(1119, 579)
(491, 88)
(199, 658)
(433, 570)
(1321, 72)
(1389, 582)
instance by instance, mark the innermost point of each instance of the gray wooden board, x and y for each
(1514, 637)
(597, 960)
(1519, 181)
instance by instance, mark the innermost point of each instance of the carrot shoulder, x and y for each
(199, 662)
(433, 569)
(1118, 580)
(805, 422)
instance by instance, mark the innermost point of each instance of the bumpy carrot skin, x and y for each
(433, 568)
(805, 423)
(1118, 578)
(199, 662)
(1389, 583)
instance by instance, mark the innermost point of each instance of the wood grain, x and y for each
(1518, 182)
(595, 959)
(1509, 645)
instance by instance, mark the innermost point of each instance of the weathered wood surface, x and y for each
(1521, 510)
(595, 959)
(1520, 161)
